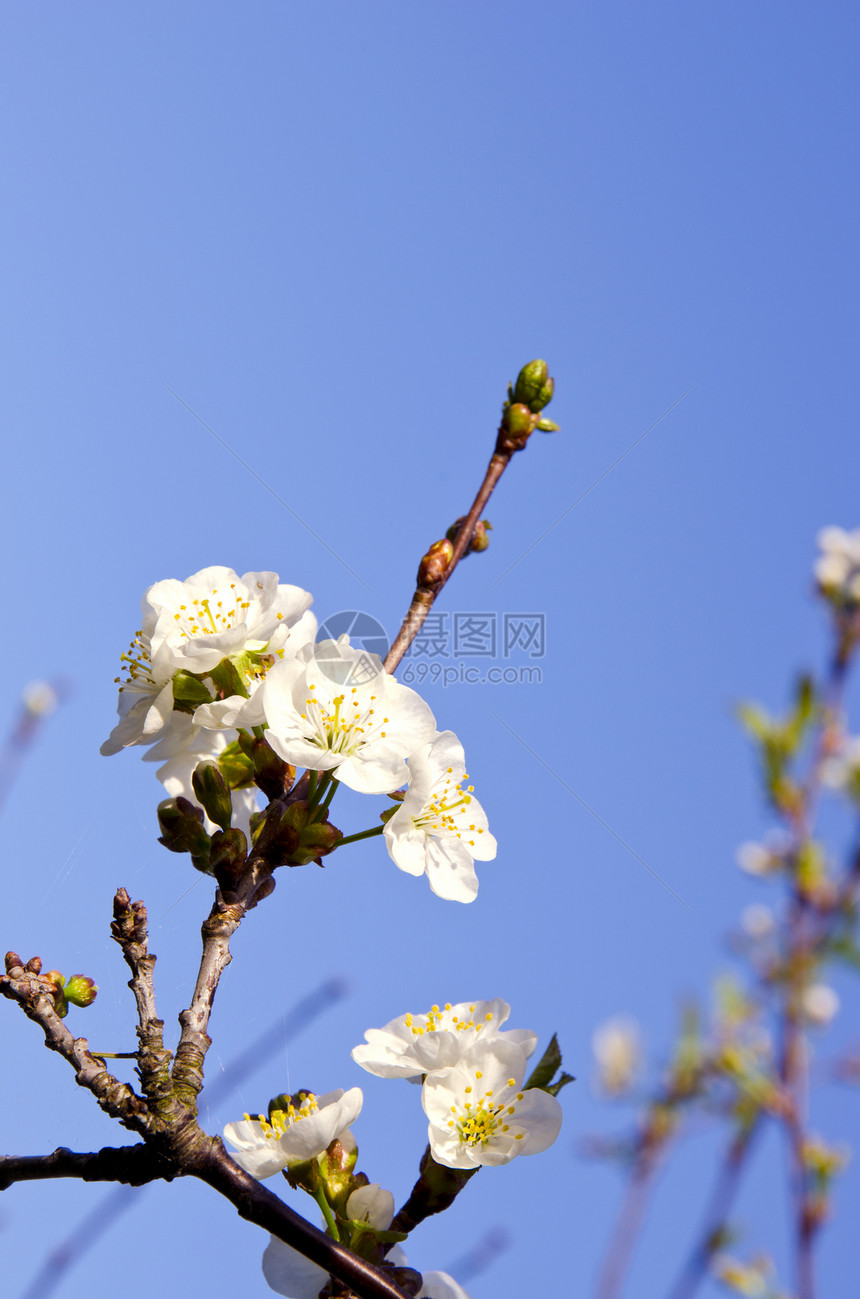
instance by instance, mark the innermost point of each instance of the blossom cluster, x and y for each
(480, 1113)
(220, 655)
(471, 1074)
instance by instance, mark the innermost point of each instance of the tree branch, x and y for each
(717, 1211)
(131, 1165)
(129, 929)
(228, 911)
(428, 588)
(34, 995)
(256, 1204)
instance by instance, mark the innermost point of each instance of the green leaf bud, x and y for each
(534, 387)
(214, 793)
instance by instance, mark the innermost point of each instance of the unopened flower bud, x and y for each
(34, 965)
(80, 990)
(14, 962)
(182, 830)
(228, 852)
(213, 792)
(269, 772)
(435, 563)
(480, 540)
(533, 387)
(373, 1205)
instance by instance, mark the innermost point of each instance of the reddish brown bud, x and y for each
(434, 565)
(519, 421)
(13, 962)
(34, 965)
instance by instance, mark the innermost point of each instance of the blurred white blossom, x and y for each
(617, 1049)
(762, 858)
(820, 1004)
(837, 569)
(757, 921)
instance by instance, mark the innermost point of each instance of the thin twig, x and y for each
(627, 1228)
(129, 930)
(717, 1211)
(223, 920)
(425, 594)
(32, 993)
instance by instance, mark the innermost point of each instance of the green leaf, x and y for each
(546, 1068)
(235, 766)
(561, 1081)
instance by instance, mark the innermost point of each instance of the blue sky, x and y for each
(334, 231)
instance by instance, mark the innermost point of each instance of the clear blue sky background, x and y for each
(336, 230)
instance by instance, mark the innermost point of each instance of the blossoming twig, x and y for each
(520, 416)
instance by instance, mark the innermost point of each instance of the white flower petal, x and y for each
(289, 1273)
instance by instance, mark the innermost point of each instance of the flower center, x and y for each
(281, 1120)
(436, 1021)
(446, 812)
(481, 1116)
(136, 663)
(207, 616)
(345, 725)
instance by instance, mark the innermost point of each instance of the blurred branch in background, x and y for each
(111, 1207)
(39, 701)
(747, 1065)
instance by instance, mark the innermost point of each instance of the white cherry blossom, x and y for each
(479, 1114)
(334, 708)
(414, 1045)
(215, 614)
(440, 827)
(837, 569)
(191, 626)
(292, 1136)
